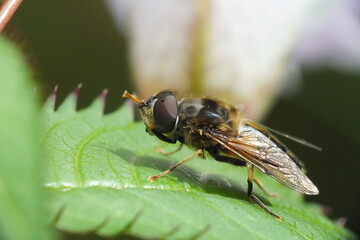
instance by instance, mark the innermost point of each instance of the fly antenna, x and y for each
(133, 98)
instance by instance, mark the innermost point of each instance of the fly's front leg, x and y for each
(253, 197)
(159, 150)
(199, 152)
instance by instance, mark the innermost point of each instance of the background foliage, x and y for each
(22, 214)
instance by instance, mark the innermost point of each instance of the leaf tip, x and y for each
(341, 221)
(102, 99)
(129, 105)
(51, 100)
(75, 94)
(103, 95)
(70, 102)
(54, 94)
(77, 90)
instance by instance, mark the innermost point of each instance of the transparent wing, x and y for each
(259, 150)
(295, 139)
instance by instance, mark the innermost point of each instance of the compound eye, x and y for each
(165, 112)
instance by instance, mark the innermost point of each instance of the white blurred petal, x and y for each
(334, 41)
(161, 44)
(235, 50)
(121, 11)
(249, 47)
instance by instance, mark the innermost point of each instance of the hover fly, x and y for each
(221, 129)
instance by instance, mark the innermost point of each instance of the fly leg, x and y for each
(199, 152)
(261, 185)
(159, 150)
(253, 197)
(222, 158)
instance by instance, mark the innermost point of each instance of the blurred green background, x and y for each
(71, 42)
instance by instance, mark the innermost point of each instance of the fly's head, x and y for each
(159, 113)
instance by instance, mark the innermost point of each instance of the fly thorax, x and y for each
(202, 112)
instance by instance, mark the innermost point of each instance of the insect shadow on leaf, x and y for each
(210, 184)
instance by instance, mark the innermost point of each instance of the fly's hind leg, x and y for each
(159, 150)
(251, 178)
(199, 152)
(261, 185)
(253, 197)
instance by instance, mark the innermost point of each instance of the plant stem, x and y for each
(7, 10)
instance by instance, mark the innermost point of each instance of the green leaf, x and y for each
(96, 176)
(21, 195)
